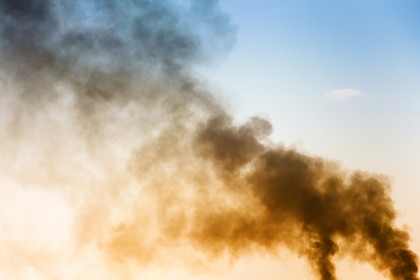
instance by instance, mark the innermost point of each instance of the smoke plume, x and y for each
(113, 154)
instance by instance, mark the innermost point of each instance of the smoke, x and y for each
(113, 154)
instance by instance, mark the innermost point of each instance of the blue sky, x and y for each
(289, 54)
(380, 36)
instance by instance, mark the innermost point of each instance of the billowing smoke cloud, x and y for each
(113, 153)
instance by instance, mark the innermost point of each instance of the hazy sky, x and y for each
(336, 78)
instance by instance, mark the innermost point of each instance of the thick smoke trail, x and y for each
(103, 122)
(301, 196)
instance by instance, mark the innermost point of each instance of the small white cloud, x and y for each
(343, 94)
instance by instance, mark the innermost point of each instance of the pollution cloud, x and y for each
(113, 154)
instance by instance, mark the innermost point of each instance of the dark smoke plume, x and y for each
(101, 113)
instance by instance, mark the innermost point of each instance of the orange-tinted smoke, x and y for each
(302, 202)
(102, 111)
